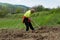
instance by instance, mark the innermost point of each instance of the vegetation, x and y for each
(40, 8)
(42, 16)
(6, 9)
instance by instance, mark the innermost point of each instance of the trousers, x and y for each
(28, 24)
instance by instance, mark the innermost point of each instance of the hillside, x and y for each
(44, 18)
(13, 8)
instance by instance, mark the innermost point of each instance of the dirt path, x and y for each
(43, 33)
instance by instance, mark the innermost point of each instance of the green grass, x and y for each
(11, 23)
(42, 18)
(47, 18)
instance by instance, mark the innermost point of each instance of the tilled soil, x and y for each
(42, 33)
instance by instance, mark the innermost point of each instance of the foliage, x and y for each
(6, 9)
(40, 8)
(44, 18)
(3, 12)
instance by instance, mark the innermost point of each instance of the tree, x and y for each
(41, 8)
(38, 8)
(3, 11)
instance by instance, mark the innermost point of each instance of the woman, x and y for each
(26, 19)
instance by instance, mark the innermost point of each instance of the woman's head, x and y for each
(32, 10)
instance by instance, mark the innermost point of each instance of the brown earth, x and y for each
(42, 33)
